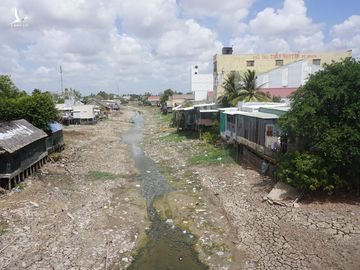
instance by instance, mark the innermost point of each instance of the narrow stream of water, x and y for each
(168, 247)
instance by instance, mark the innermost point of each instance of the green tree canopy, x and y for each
(241, 88)
(38, 109)
(165, 96)
(8, 88)
(325, 118)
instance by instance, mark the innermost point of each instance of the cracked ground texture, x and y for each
(67, 219)
(321, 233)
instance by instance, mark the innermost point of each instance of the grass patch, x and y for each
(97, 175)
(56, 156)
(215, 247)
(214, 155)
(20, 186)
(164, 118)
(3, 227)
(180, 136)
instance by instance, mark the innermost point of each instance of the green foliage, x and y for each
(305, 170)
(214, 155)
(276, 99)
(241, 88)
(211, 135)
(98, 175)
(4, 226)
(180, 136)
(56, 156)
(71, 93)
(8, 88)
(102, 95)
(325, 118)
(165, 96)
(231, 87)
(39, 109)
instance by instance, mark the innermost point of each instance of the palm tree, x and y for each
(249, 91)
(241, 88)
(231, 88)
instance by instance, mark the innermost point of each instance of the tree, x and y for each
(71, 93)
(249, 90)
(165, 96)
(241, 88)
(8, 88)
(231, 89)
(39, 108)
(325, 119)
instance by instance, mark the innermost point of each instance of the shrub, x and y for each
(305, 170)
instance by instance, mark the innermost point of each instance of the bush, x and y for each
(210, 137)
(304, 170)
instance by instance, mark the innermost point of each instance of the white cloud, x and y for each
(290, 20)
(346, 36)
(282, 30)
(229, 14)
(213, 8)
(148, 45)
(147, 19)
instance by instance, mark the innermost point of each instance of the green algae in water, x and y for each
(168, 248)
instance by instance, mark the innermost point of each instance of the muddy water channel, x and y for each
(168, 247)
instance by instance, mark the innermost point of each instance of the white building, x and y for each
(284, 80)
(201, 84)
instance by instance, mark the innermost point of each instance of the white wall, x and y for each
(291, 75)
(201, 84)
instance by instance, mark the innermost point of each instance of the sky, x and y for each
(127, 46)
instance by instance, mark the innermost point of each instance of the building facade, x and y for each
(201, 84)
(225, 63)
(284, 80)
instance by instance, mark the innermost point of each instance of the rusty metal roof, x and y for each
(16, 134)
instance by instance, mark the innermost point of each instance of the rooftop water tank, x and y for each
(227, 50)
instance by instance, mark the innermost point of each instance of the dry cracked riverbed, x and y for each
(86, 210)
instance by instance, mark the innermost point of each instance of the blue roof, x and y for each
(55, 127)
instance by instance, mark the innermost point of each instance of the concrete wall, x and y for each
(201, 84)
(223, 64)
(292, 75)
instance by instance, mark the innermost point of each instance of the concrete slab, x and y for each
(283, 192)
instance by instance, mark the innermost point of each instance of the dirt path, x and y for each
(222, 204)
(84, 211)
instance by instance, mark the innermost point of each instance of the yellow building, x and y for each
(227, 62)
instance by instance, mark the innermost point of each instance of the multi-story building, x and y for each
(227, 62)
(201, 84)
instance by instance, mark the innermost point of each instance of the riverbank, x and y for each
(222, 203)
(82, 211)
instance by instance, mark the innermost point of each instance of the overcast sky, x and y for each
(150, 45)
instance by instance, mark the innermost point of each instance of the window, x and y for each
(316, 62)
(250, 63)
(279, 62)
(269, 131)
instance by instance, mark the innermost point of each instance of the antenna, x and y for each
(61, 80)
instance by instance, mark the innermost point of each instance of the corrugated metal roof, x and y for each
(228, 109)
(201, 105)
(210, 111)
(278, 110)
(260, 115)
(18, 133)
(55, 127)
